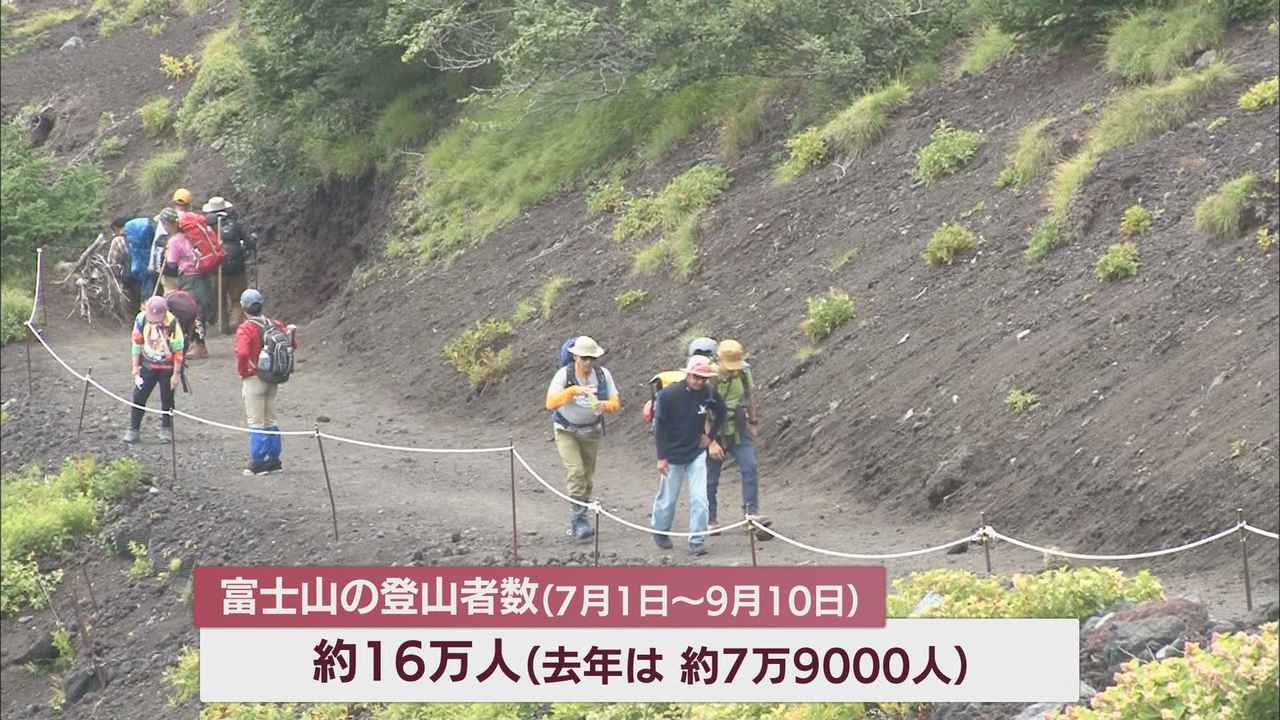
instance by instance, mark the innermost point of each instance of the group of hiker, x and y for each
(699, 415)
(185, 270)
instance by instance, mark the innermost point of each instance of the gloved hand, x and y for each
(137, 380)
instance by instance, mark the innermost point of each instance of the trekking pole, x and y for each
(324, 464)
(84, 399)
(751, 533)
(219, 312)
(1244, 559)
(515, 535)
(986, 541)
(173, 446)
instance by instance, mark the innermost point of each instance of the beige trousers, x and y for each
(259, 401)
(578, 454)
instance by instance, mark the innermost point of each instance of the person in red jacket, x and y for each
(259, 394)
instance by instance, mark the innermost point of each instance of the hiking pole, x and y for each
(515, 535)
(986, 541)
(751, 533)
(219, 311)
(84, 399)
(333, 509)
(173, 446)
(1244, 559)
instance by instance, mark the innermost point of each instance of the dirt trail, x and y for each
(390, 505)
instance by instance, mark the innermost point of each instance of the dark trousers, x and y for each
(152, 377)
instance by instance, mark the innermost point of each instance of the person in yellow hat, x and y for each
(579, 395)
(737, 434)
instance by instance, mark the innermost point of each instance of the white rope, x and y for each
(1260, 531)
(35, 303)
(63, 363)
(404, 448)
(992, 532)
(238, 428)
(867, 556)
(130, 403)
(595, 505)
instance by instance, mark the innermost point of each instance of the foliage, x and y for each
(1051, 22)
(176, 68)
(676, 210)
(1035, 151)
(156, 116)
(607, 197)
(1019, 400)
(214, 102)
(805, 150)
(1222, 214)
(526, 310)
(851, 131)
(1261, 95)
(142, 564)
(1216, 123)
(160, 173)
(550, 291)
(948, 149)
(948, 241)
(1068, 177)
(20, 35)
(110, 148)
(1235, 678)
(826, 313)
(22, 585)
(15, 308)
(45, 203)
(1265, 239)
(184, 676)
(66, 651)
(1136, 220)
(477, 355)
(1155, 43)
(1044, 238)
(988, 47)
(116, 14)
(745, 126)
(1057, 593)
(1120, 261)
(843, 259)
(629, 298)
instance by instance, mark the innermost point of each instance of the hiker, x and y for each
(579, 395)
(157, 360)
(209, 256)
(180, 271)
(733, 383)
(238, 246)
(118, 263)
(264, 360)
(703, 346)
(684, 440)
(139, 233)
(181, 203)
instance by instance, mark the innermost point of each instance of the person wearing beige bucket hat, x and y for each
(580, 394)
(737, 434)
(238, 247)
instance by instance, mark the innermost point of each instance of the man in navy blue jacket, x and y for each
(681, 414)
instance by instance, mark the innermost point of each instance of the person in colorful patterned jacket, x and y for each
(158, 345)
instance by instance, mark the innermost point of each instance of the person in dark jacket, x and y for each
(240, 249)
(684, 438)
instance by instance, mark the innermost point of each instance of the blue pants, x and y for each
(664, 504)
(744, 452)
(263, 446)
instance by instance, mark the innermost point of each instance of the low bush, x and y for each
(526, 310)
(23, 586)
(477, 353)
(826, 313)
(629, 298)
(1044, 238)
(15, 308)
(1261, 95)
(851, 131)
(1119, 262)
(1155, 43)
(156, 116)
(746, 125)
(1136, 221)
(1019, 400)
(947, 151)
(177, 68)
(606, 197)
(989, 46)
(1222, 214)
(110, 148)
(161, 173)
(184, 676)
(142, 566)
(948, 241)
(1235, 678)
(1034, 152)
(805, 151)
(1058, 593)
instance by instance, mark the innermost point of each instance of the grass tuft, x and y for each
(110, 148)
(1136, 221)
(1261, 95)
(156, 116)
(745, 126)
(1156, 43)
(1119, 262)
(948, 241)
(947, 151)
(1035, 151)
(826, 313)
(160, 173)
(629, 298)
(1222, 214)
(987, 48)
(676, 209)
(117, 14)
(477, 354)
(851, 132)
(1045, 238)
(549, 294)
(1019, 400)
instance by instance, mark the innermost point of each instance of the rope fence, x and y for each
(984, 535)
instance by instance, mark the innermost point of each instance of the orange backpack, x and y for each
(204, 241)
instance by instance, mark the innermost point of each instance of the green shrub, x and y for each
(947, 151)
(1019, 400)
(1034, 152)
(142, 564)
(526, 310)
(160, 173)
(407, 121)
(948, 241)
(1059, 593)
(1265, 239)
(826, 313)
(116, 14)
(23, 586)
(852, 131)
(550, 292)
(184, 676)
(987, 47)
(477, 355)
(1119, 262)
(607, 197)
(218, 96)
(806, 150)
(1136, 221)
(15, 308)
(156, 116)
(1235, 678)
(1222, 214)
(676, 209)
(1155, 43)
(1217, 123)
(745, 125)
(1261, 95)
(1044, 238)
(629, 298)
(45, 203)
(1051, 22)
(110, 148)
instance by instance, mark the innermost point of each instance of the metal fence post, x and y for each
(324, 464)
(1244, 559)
(986, 541)
(84, 399)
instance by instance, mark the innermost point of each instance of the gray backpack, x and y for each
(275, 362)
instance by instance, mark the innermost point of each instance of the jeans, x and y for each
(664, 503)
(151, 377)
(744, 452)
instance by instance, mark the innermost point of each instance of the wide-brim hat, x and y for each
(217, 203)
(584, 346)
(731, 355)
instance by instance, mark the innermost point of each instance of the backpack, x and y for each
(231, 233)
(571, 379)
(204, 241)
(275, 360)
